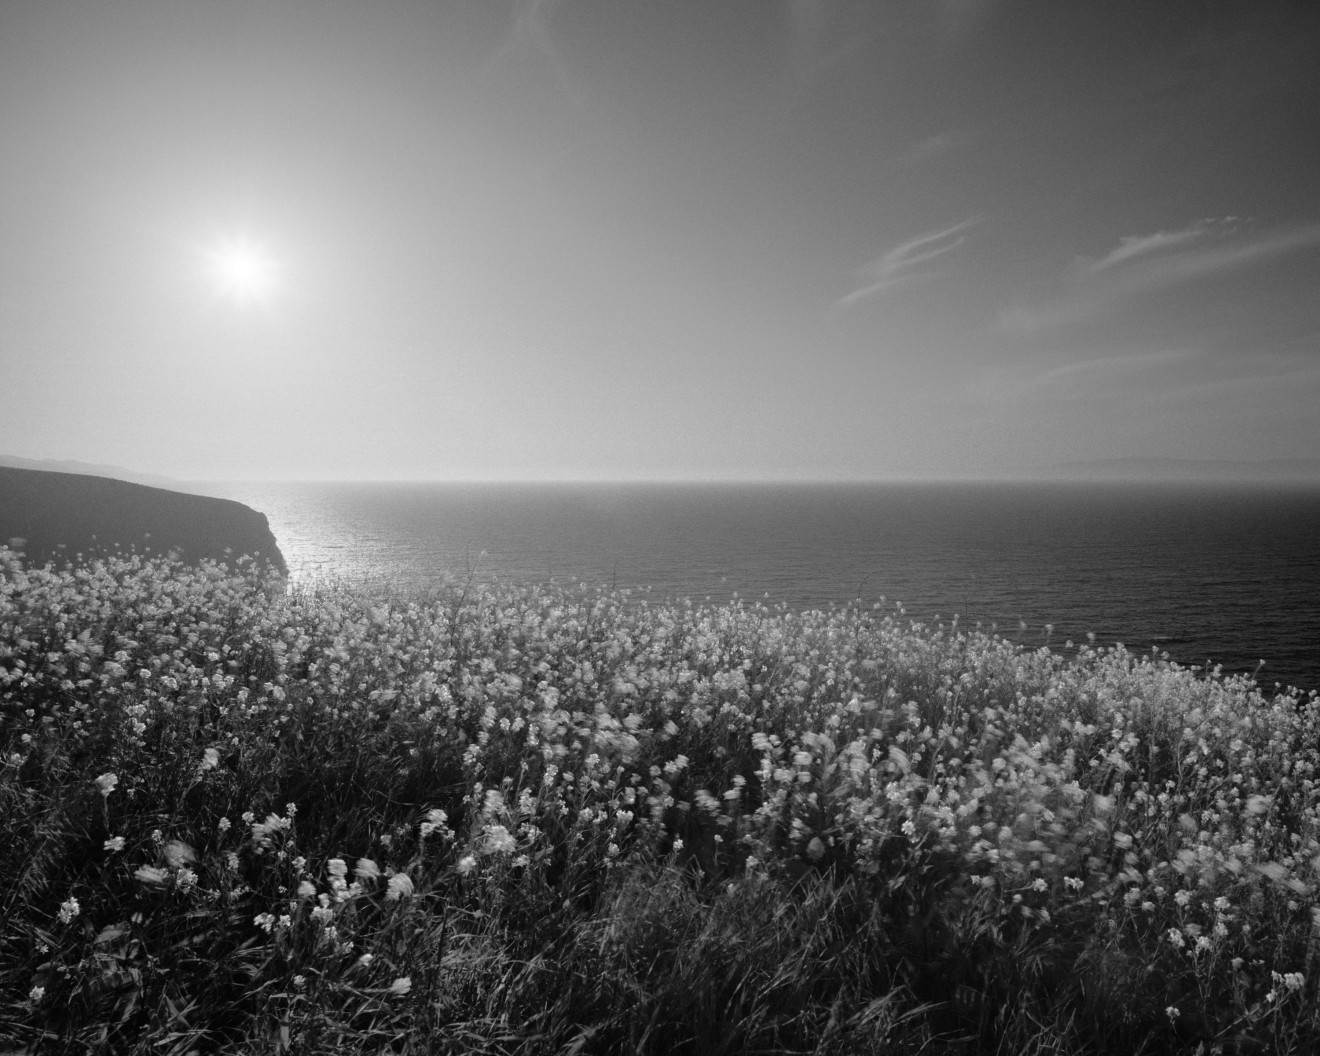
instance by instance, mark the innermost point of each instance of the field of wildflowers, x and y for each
(239, 817)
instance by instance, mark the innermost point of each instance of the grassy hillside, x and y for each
(235, 819)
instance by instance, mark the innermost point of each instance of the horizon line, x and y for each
(1045, 475)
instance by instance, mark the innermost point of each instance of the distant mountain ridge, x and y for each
(1141, 468)
(93, 469)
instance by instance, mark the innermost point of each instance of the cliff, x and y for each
(62, 514)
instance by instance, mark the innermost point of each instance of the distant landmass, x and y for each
(1136, 468)
(54, 515)
(93, 469)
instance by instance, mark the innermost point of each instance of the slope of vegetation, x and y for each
(240, 818)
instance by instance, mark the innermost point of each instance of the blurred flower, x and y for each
(68, 910)
(400, 886)
(106, 783)
(499, 840)
(366, 869)
(400, 986)
(151, 875)
(178, 853)
(115, 843)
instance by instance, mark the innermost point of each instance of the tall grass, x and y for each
(240, 818)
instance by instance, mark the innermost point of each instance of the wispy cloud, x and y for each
(898, 265)
(825, 35)
(1094, 377)
(1181, 267)
(1109, 370)
(1144, 263)
(933, 146)
(529, 46)
(1132, 246)
(1287, 377)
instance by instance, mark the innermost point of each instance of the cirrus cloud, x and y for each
(900, 264)
(1144, 263)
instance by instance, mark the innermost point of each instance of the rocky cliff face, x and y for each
(57, 515)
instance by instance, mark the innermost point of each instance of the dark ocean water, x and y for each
(1228, 575)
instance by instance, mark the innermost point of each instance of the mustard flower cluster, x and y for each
(510, 741)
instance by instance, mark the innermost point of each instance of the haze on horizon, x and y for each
(576, 239)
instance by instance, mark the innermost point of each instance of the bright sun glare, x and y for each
(244, 270)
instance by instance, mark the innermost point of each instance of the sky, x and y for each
(624, 239)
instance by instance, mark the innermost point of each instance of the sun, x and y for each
(244, 270)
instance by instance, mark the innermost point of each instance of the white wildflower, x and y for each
(178, 853)
(499, 840)
(151, 875)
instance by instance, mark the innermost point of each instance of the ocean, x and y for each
(1223, 575)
